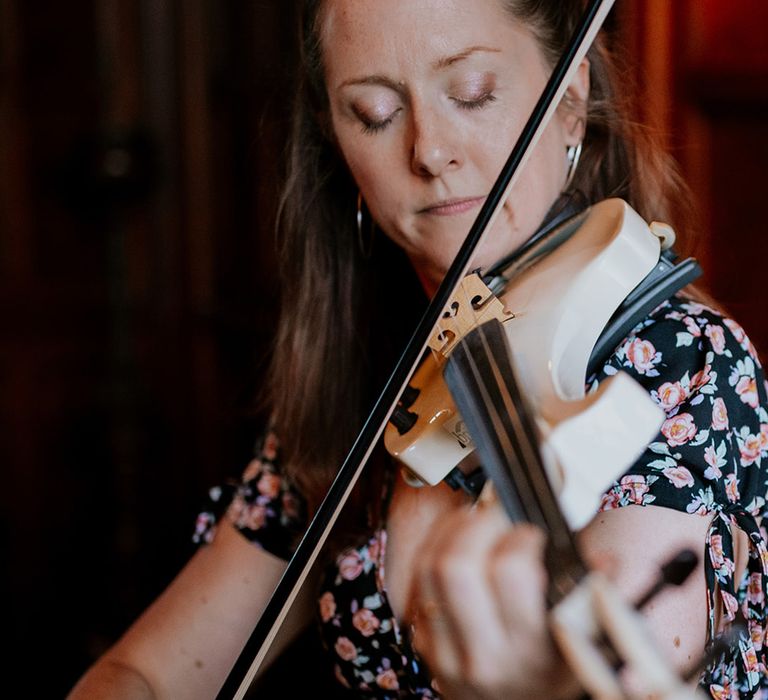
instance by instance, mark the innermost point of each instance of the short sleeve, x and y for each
(712, 450)
(709, 459)
(264, 505)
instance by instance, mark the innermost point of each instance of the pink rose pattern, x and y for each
(379, 660)
(711, 459)
(263, 505)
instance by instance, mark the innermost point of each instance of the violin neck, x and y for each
(481, 378)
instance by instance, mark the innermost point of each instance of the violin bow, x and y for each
(255, 650)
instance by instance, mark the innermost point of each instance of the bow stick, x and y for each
(255, 650)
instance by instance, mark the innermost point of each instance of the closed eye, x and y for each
(373, 126)
(476, 103)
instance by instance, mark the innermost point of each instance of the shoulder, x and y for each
(702, 370)
(694, 347)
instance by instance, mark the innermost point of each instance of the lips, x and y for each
(452, 207)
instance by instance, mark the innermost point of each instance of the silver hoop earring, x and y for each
(572, 154)
(365, 248)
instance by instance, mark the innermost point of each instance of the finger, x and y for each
(518, 578)
(433, 635)
(457, 575)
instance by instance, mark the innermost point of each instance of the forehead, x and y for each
(371, 36)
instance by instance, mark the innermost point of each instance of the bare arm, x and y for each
(479, 597)
(636, 541)
(185, 643)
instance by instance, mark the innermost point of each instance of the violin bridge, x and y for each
(471, 305)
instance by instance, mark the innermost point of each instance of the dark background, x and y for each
(140, 158)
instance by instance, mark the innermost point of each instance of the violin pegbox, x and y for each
(471, 305)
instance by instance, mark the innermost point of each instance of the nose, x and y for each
(434, 148)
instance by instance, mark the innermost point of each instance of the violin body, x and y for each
(553, 313)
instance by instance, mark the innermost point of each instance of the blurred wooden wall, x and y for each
(139, 159)
(140, 146)
(703, 70)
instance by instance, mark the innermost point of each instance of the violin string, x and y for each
(531, 457)
(506, 444)
(508, 447)
(523, 458)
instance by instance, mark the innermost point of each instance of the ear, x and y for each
(574, 105)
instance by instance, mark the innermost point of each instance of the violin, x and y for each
(257, 647)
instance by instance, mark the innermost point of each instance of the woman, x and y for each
(406, 112)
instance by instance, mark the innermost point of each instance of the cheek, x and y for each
(364, 159)
(536, 190)
(488, 151)
(381, 198)
(374, 176)
(544, 168)
(544, 174)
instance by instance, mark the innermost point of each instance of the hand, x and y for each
(478, 610)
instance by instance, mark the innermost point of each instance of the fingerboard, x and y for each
(481, 378)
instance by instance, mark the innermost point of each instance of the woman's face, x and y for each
(427, 98)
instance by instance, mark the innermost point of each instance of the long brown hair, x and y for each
(330, 345)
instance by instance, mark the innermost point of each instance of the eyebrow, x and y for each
(448, 61)
(439, 64)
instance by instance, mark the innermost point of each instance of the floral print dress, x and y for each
(710, 459)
